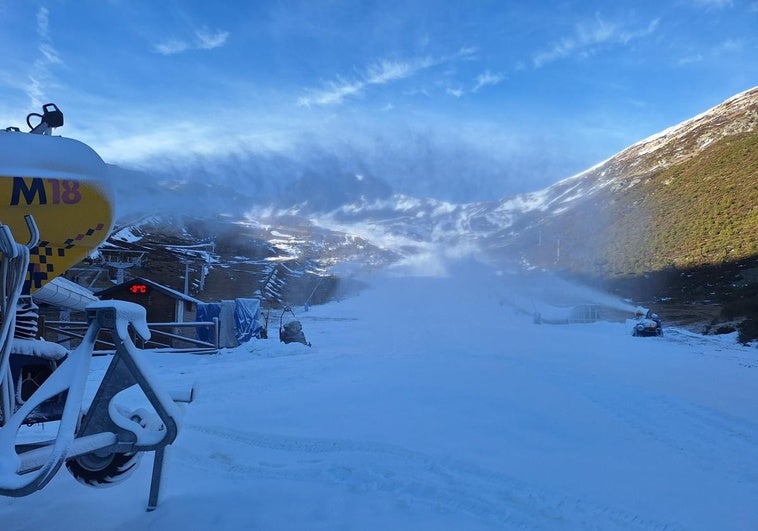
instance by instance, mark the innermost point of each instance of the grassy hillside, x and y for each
(687, 232)
(697, 213)
(700, 212)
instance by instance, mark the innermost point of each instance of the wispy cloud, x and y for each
(726, 47)
(388, 71)
(202, 39)
(713, 4)
(466, 53)
(43, 22)
(209, 40)
(171, 47)
(587, 37)
(379, 73)
(690, 59)
(39, 73)
(487, 79)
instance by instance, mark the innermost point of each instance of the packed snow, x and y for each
(433, 403)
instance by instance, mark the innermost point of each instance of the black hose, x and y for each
(28, 118)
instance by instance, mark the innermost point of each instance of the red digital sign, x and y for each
(138, 289)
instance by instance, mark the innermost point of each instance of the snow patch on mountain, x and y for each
(128, 234)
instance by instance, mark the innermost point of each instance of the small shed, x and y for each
(163, 304)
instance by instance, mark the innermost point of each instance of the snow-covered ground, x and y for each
(428, 403)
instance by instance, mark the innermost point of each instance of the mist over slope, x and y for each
(423, 160)
(614, 218)
(672, 216)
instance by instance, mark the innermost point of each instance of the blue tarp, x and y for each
(246, 322)
(206, 311)
(247, 316)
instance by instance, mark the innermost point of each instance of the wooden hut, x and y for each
(163, 305)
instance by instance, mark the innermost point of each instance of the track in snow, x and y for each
(409, 476)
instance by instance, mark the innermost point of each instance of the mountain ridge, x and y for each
(617, 192)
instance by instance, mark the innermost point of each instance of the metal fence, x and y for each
(166, 337)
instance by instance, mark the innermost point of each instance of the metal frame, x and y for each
(74, 330)
(105, 428)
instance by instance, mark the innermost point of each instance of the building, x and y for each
(163, 305)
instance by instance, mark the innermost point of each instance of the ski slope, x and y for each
(428, 403)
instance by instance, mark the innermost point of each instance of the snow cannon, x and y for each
(291, 330)
(56, 195)
(63, 184)
(646, 323)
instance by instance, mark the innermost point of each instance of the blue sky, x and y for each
(458, 100)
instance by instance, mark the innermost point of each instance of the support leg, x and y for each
(155, 482)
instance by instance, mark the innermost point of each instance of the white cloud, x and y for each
(467, 53)
(379, 73)
(713, 4)
(728, 46)
(202, 39)
(334, 93)
(35, 91)
(39, 76)
(49, 53)
(387, 71)
(486, 79)
(171, 47)
(43, 21)
(588, 37)
(690, 59)
(208, 41)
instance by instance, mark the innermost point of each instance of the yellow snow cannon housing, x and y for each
(63, 184)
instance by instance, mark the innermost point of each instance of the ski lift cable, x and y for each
(308, 300)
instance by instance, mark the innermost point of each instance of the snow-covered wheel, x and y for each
(103, 471)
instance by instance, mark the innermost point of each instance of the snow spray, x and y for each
(530, 291)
